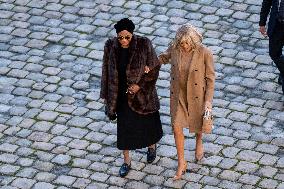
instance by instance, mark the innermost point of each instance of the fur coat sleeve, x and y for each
(104, 79)
(153, 63)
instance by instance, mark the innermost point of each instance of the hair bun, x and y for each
(124, 24)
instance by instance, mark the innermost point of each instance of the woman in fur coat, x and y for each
(129, 93)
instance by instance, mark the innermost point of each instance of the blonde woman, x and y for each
(191, 90)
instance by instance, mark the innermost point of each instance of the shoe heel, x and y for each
(178, 177)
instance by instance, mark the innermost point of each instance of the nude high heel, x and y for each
(199, 157)
(178, 174)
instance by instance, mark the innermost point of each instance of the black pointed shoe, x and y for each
(151, 154)
(124, 169)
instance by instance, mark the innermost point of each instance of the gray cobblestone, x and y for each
(7, 169)
(47, 115)
(45, 177)
(238, 116)
(249, 179)
(79, 121)
(210, 181)
(267, 148)
(280, 162)
(27, 173)
(228, 184)
(267, 171)
(246, 144)
(173, 184)
(249, 155)
(54, 132)
(136, 175)
(246, 167)
(227, 163)
(41, 185)
(230, 152)
(268, 183)
(230, 175)
(6, 147)
(65, 180)
(23, 183)
(101, 177)
(268, 160)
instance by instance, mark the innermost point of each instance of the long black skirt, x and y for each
(136, 131)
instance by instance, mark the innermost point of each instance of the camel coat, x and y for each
(200, 84)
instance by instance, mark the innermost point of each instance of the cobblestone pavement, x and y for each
(54, 133)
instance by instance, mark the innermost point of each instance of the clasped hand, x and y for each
(132, 89)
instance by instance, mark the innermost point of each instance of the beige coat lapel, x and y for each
(194, 61)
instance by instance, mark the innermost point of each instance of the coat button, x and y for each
(173, 78)
(172, 93)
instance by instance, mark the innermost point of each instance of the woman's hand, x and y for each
(132, 89)
(262, 30)
(208, 106)
(147, 69)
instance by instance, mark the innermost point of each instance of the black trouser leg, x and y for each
(276, 43)
(280, 80)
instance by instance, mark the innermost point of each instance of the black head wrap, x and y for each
(124, 24)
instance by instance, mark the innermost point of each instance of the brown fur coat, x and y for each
(141, 53)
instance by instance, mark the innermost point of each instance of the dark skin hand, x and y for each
(132, 89)
(147, 69)
(262, 30)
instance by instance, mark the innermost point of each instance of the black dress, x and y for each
(134, 131)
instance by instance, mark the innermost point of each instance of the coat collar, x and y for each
(196, 53)
(132, 47)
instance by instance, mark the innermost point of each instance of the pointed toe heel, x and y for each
(178, 176)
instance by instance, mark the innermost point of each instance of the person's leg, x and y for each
(280, 79)
(125, 168)
(179, 140)
(199, 151)
(276, 43)
(275, 52)
(126, 157)
(151, 153)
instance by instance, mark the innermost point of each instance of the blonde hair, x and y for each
(189, 33)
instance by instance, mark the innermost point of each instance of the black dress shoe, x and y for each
(124, 170)
(151, 154)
